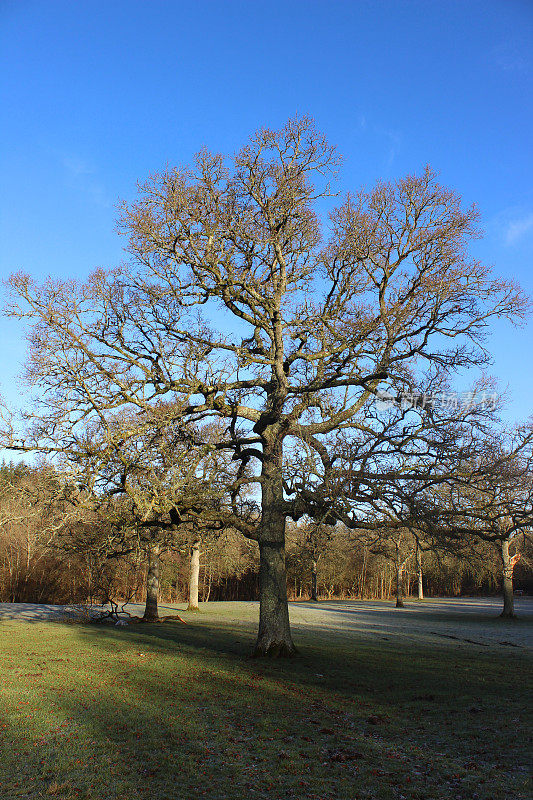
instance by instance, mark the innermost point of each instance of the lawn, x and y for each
(172, 711)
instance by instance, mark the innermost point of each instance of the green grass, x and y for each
(172, 711)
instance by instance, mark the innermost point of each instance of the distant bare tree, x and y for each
(170, 481)
(491, 500)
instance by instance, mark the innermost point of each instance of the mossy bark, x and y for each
(274, 636)
(151, 613)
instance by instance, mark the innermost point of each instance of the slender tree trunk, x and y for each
(363, 575)
(399, 587)
(274, 635)
(194, 577)
(203, 584)
(419, 573)
(151, 613)
(206, 598)
(507, 574)
(314, 581)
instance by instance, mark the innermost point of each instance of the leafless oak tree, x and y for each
(241, 303)
(491, 500)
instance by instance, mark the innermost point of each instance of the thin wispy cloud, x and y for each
(510, 58)
(82, 176)
(517, 229)
(76, 166)
(510, 226)
(392, 138)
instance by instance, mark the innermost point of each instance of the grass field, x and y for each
(172, 711)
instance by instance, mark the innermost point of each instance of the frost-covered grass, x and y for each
(376, 706)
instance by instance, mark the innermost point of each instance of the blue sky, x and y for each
(97, 94)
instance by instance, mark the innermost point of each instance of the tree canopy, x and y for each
(242, 302)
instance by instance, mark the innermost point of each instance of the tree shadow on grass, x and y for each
(171, 711)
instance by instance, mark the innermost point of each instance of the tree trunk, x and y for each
(274, 635)
(194, 577)
(206, 598)
(419, 573)
(399, 587)
(507, 574)
(362, 577)
(152, 585)
(314, 582)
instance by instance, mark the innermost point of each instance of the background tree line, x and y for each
(43, 559)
